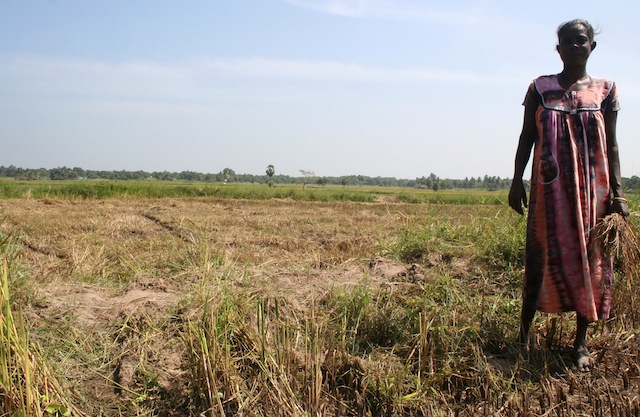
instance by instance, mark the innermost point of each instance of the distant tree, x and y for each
(633, 183)
(190, 176)
(227, 174)
(27, 174)
(10, 171)
(77, 173)
(344, 181)
(61, 173)
(270, 171)
(322, 181)
(92, 175)
(307, 177)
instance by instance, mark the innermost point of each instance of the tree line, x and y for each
(227, 175)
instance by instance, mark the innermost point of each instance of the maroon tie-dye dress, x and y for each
(565, 269)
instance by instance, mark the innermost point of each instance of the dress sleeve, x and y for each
(532, 98)
(611, 103)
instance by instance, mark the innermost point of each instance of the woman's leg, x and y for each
(583, 360)
(526, 318)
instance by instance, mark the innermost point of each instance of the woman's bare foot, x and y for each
(583, 359)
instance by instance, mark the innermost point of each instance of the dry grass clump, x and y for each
(27, 385)
(621, 241)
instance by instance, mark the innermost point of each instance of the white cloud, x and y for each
(265, 68)
(146, 78)
(396, 10)
(90, 77)
(351, 8)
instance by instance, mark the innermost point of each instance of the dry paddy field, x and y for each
(189, 307)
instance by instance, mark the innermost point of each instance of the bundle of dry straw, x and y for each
(621, 240)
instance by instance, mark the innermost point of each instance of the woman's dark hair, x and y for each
(577, 22)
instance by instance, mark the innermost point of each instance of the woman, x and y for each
(570, 123)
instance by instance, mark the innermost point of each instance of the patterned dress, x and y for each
(565, 269)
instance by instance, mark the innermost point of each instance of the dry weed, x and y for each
(620, 239)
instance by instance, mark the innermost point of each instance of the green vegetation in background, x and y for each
(100, 189)
(492, 238)
(228, 175)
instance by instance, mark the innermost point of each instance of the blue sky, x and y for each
(399, 88)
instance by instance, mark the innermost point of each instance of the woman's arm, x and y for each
(517, 193)
(618, 202)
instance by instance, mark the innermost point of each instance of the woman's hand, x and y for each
(619, 205)
(517, 196)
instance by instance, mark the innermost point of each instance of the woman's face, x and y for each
(574, 45)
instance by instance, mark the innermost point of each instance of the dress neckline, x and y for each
(579, 85)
